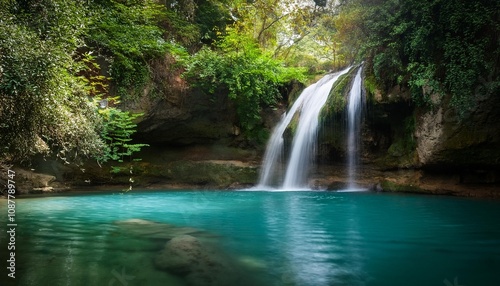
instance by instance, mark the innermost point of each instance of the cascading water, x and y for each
(354, 110)
(309, 103)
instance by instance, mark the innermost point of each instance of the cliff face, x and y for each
(443, 139)
(175, 114)
(178, 115)
(188, 118)
(417, 149)
(432, 149)
(195, 142)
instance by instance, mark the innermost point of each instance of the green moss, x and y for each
(337, 97)
(292, 126)
(402, 151)
(371, 87)
(390, 186)
(215, 174)
(370, 84)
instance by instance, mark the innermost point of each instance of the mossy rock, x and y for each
(216, 174)
(402, 151)
(390, 186)
(337, 99)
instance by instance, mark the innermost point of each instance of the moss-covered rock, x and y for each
(402, 150)
(337, 99)
(211, 174)
(391, 186)
(332, 137)
(444, 139)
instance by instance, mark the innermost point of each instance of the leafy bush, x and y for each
(46, 85)
(436, 47)
(117, 131)
(251, 77)
(126, 32)
(43, 105)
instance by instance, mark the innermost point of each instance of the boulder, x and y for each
(30, 182)
(155, 230)
(198, 262)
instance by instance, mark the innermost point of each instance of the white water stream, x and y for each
(308, 107)
(354, 110)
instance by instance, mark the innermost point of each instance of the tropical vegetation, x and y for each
(60, 59)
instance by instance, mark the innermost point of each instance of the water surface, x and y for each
(274, 238)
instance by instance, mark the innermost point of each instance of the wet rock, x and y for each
(337, 185)
(443, 139)
(30, 182)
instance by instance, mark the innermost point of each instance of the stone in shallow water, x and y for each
(156, 230)
(198, 262)
(253, 262)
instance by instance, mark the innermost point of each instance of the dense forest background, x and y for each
(62, 61)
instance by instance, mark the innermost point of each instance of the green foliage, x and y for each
(212, 17)
(387, 67)
(301, 33)
(127, 33)
(436, 47)
(251, 77)
(337, 99)
(43, 106)
(117, 131)
(46, 84)
(370, 84)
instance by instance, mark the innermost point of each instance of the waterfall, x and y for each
(354, 109)
(308, 105)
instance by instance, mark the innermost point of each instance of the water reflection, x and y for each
(310, 253)
(287, 238)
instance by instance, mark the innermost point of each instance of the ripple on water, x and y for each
(286, 238)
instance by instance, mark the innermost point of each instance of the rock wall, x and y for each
(195, 143)
(417, 149)
(432, 149)
(446, 140)
(196, 118)
(175, 114)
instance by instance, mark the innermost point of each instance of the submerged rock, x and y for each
(199, 262)
(156, 230)
(189, 252)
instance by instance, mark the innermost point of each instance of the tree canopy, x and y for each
(59, 58)
(434, 47)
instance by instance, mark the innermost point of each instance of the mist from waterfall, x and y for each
(354, 113)
(308, 107)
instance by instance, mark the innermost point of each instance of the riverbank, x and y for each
(234, 175)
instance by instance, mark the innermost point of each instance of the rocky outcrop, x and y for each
(30, 182)
(432, 149)
(422, 149)
(443, 139)
(184, 118)
(177, 114)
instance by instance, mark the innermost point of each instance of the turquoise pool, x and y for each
(254, 238)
